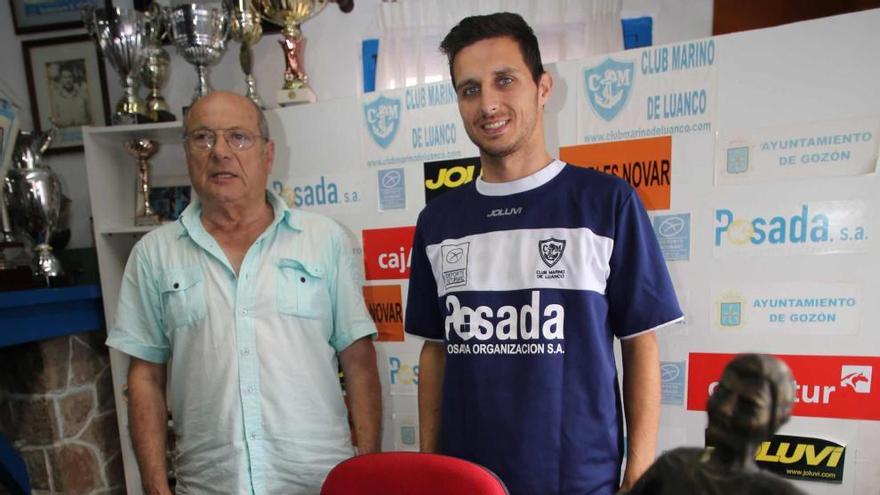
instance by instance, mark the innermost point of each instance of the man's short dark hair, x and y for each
(480, 27)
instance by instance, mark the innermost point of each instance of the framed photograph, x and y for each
(31, 16)
(66, 83)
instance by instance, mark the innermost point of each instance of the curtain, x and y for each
(411, 31)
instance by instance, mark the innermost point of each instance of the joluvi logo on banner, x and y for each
(826, 386)
(608, 86)
(803, 458)
(646, 164)
(446, 175)
(383, 119)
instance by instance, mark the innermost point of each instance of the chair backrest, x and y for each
(410, 473)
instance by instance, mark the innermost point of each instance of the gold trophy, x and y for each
(289, 14)
(246, 29)
(143, 149)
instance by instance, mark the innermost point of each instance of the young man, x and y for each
(256, 304)
(520, 281)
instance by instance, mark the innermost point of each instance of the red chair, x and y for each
(410, 473)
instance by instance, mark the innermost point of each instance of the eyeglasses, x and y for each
(205, 139)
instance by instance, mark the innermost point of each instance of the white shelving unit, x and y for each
(112, 182)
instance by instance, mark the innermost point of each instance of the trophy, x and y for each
(154, 72)
(34, 199)
(246, 29)
(143, 149)
(290, 14)
(119, 34)
(199, 30)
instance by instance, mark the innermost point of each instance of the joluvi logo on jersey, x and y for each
(383, 119)
(608, 87)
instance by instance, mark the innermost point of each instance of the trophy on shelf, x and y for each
(34, 199)
(246, 29)
(289, 14)
(199, 31)
(154, 72)
(143, 149)
(119, 34)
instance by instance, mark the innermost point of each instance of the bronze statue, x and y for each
(753, 399)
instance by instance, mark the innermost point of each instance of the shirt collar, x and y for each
(190, 221)
(526, 183)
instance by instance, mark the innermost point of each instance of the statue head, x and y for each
(753, 399)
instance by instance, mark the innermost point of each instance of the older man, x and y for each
(251, 303)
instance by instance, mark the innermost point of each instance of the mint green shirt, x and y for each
(253, 387)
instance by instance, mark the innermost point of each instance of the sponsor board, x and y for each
(445, 175)
(646, 164)
(672, 382)
(674, 235)
(788, 229)
(793, 308)
(321, 192)
(403, 373)
(825, 149)
(387, 252)
(826, 386)
(385, 307)
(648, 92)
(803, 458)
(392, 189)
(413, 125)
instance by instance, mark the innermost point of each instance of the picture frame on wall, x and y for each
(33, 16)
(67, 85)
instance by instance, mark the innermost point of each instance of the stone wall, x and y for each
(57, 410)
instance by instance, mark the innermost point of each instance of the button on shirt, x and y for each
(253, 386)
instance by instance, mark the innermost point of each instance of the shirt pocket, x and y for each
(302, 289)
(183, 296)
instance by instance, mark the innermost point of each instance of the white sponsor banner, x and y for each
(403, 373)
(406, 432)
(330, 192)
(830, 308)
(413, 125)
(648, 92)
(823, 149)
(823, 227)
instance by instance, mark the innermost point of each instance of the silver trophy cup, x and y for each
(199, 31)
(34, 199)
(120, 36)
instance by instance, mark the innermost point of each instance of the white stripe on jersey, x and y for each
(512, 260)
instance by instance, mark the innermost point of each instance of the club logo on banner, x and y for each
(445, 175)
(383, 119)
(793, 308)
(826, 386)
(646, 164)
(649, 92)
(803, 458)
(608, 86)
(386, 308)
(804, 228)
(413, 125)
(392, 189)
(672, 380)
(387, 253)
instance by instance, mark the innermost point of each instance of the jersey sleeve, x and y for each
(640, 293)
(423, 317)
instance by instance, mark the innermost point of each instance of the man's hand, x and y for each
(641, 403)
(364, 393)
(148, 423)
(432, 363)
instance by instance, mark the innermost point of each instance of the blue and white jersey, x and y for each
(527, 283)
